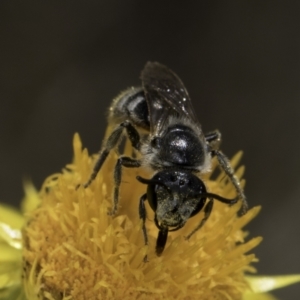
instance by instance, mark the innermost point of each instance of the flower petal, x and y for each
(11, 236)
(11, 221)
(267, 283)
(14, 293)
(32, 199)
(11, 216)
(260, 296)
(10, 266)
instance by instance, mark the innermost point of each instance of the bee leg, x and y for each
(112, 142)
(225, 165)
(122, 161)
(143, 216)
(207, 210)
(213, 138)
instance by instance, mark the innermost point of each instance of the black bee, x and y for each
(160, 123)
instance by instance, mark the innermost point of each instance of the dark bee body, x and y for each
(161, 124)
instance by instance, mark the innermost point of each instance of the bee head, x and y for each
(175, 196)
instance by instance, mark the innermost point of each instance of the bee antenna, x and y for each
(220, 198)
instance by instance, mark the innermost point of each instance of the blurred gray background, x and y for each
(61, 63)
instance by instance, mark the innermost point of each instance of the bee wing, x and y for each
(166, 96)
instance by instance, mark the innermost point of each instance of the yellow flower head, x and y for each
(74, 250)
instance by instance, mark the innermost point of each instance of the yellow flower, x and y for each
(72, 249)
(11, 222)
